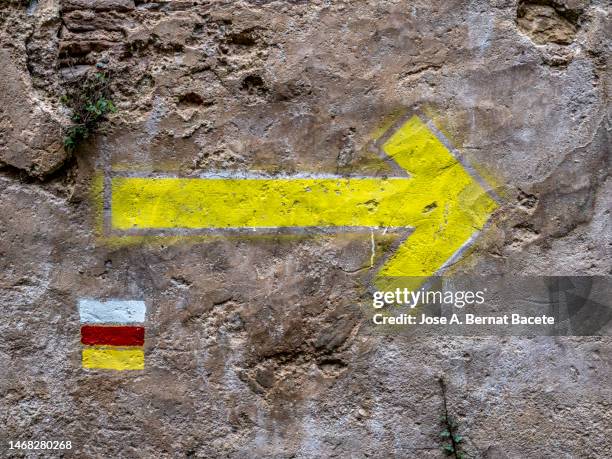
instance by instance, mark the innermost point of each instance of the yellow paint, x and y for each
(449, 124)
(258, 203)
(440, 200)
(463, 206)
(108, 358)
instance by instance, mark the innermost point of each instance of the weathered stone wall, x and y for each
(255, 344)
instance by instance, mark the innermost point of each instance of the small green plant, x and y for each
(89, 100)
(450, 434)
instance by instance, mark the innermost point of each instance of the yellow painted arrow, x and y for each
(440, 200)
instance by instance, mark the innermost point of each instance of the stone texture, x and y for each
(255, 346)
(31, 139)
(98, 5)
(544, 24)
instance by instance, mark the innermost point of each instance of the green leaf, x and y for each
(460, 455)
(457, 438)
(448, 449)
(445, 434)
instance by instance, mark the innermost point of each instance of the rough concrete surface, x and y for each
(255, 345)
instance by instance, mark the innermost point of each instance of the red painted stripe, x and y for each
(112, 336)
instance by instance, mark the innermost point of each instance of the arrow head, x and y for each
(453, 203)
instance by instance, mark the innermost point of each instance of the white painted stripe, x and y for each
(241, 175)
(111, 311)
